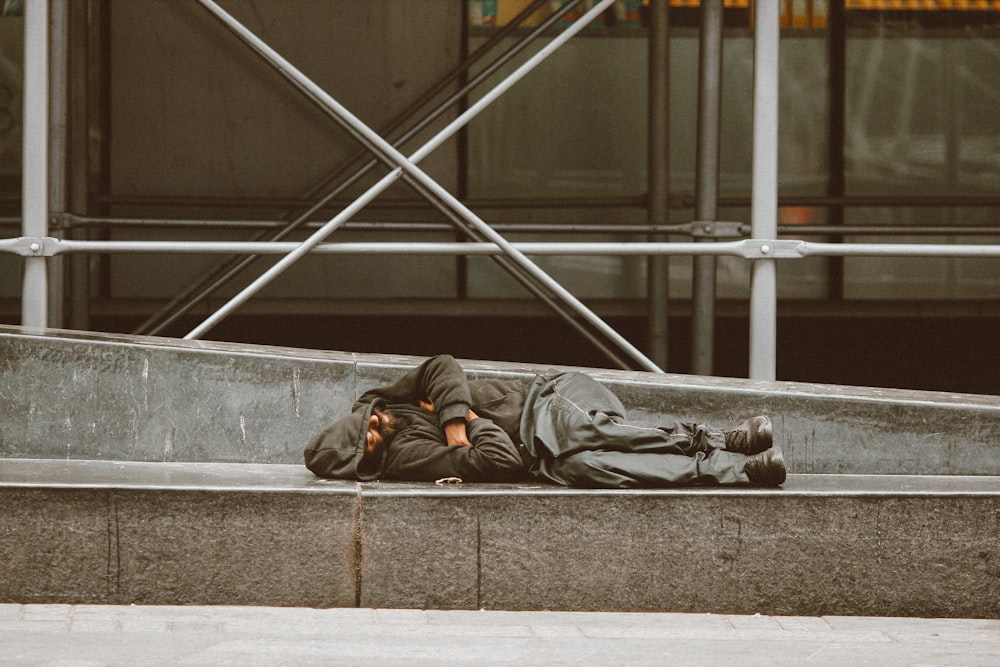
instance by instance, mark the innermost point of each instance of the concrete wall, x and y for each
(202, 498)
(269, 534)
(96, 396)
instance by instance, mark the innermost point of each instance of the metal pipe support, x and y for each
(35, 173)
(751, 249)
(764, 187)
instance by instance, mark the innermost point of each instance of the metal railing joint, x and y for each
(716, 229)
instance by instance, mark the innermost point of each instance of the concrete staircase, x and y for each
(156, 471)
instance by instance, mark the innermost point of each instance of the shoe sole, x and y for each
(765, 436)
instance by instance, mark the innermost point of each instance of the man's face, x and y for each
(378, 425)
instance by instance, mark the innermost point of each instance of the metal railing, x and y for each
(763, 249)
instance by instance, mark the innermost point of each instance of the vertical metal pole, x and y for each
(836, 55)
(34, 206)
(658, 157)
(764, 206)
(707, 183)
(59, 177)
(78, 161)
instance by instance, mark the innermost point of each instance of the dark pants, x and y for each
(580, 438)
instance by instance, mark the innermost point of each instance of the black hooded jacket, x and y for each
(419, 452)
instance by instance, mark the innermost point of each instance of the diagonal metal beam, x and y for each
(703, 283)
(408, 166)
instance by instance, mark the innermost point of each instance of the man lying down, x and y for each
(565, 427)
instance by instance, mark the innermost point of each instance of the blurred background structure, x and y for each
(161, 125)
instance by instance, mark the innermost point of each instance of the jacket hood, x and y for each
(336, 451)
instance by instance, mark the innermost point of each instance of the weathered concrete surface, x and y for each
(270, 534)
(156, 471)
(161, 533)
(897, 546)
(148, 399)
(94, 396)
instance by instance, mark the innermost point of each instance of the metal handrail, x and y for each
(746, 249)
(678, 200)
(68, 220)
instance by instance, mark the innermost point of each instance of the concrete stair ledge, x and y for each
(270, 534)
(158, 471)
(70, 473)
(116, 397)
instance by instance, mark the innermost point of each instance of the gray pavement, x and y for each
(135, 635)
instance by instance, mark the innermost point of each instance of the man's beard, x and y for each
(394, 425)
(390, 424)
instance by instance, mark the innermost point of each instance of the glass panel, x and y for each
(922, 277)
(574, 128)
(577, 126)
(921, 123)
(11, 92)
(921, 115)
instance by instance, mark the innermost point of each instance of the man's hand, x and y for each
(456, 433)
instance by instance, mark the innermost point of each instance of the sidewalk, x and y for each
(130, 635)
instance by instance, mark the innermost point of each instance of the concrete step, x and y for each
(112, 397)
(157, 471)
(123, 532)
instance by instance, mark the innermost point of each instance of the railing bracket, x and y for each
(35, 246)
(716, 229)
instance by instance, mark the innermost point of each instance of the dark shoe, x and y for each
(766, 468)
(752, 436)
